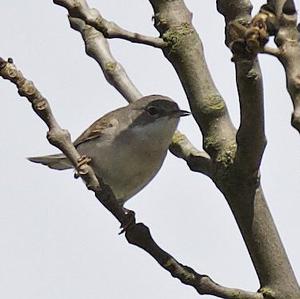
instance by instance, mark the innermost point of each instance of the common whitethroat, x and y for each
(127, 146)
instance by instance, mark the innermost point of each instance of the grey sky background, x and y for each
(56, 240)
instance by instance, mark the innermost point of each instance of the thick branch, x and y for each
(255, 221)
(185, 52)
(243, 192)
(288, 41)
(279, 18)
(92, 17)
(251, 139)
(208, 108)
(139, 235)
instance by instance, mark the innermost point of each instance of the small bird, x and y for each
(127, 146)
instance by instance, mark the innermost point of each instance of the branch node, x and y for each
(26, 89)
(58, 136)
(39, 104)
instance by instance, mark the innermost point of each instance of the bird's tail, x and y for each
(58, 161)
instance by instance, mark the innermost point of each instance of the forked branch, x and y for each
(98, 48)
(287, 39)
(245, 38)
(136, 234)
(277, 18)
(92, 17)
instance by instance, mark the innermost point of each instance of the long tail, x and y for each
(58, 161)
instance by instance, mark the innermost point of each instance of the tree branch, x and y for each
(288, 41)
(139, 235)
(185, 52)
(97, 47)
(92, 17)
(251, 140)
(61, 139)
(57, 136)
(198, 161)
(243, 192)
(136, 234)
(278, 18)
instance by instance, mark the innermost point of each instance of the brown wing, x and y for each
(96, 129)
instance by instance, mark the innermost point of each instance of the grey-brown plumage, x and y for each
(127, 146)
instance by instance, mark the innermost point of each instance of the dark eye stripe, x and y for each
(152, 111)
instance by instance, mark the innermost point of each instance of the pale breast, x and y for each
(130, 160)
(126, 167)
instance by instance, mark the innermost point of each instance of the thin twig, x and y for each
(139, 235)
(61, 138)
(56, 135)
(92, 17)
(98, 48)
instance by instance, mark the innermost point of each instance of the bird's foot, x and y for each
(80, 162)
(128, 221)
(83, 160)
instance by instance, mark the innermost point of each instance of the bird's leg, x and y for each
(128, 221)
(106, 197)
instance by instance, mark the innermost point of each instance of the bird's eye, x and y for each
(152, 111)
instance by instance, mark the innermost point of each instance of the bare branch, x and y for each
(245, 196)
(92, 17)
(279, 18)
(139, 235)
(97, 47)
(61, 139)
(288, 41)
(251, 139)
(185, 52)
(198, 161)
(56, 135)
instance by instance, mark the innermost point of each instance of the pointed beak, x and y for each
(182, 113)
(179, 113)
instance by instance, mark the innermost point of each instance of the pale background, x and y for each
(56, 240)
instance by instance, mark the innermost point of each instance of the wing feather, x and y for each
(97, 129)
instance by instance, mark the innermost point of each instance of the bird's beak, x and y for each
(179, 113)
(183, 113)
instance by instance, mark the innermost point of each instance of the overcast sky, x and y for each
(56, 240)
